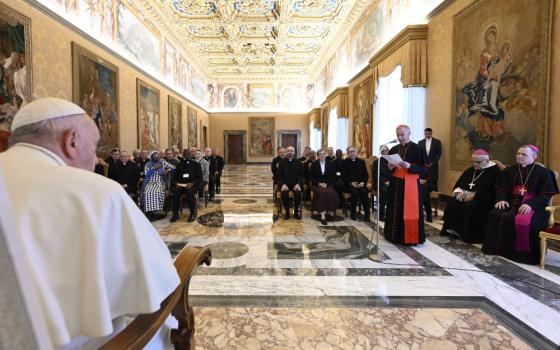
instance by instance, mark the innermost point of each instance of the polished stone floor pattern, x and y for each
(271, 278)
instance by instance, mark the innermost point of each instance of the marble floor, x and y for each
(276, 284)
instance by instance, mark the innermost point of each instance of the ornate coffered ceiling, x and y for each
(278, 40)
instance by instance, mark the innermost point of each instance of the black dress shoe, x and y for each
(367, 218)
(192, 218)
(297, 216)
(324, 221)
(353, 216)
(174, 218)
(287, 216)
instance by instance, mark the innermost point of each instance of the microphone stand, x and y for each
(375, 253)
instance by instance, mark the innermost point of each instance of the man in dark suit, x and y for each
(290, 178)
(356, 177)
(432, 148)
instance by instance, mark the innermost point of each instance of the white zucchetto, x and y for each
(45, 109)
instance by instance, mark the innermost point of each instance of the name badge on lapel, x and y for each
(185, 176)
(338, 173)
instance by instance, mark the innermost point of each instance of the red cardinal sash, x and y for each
(410, 205)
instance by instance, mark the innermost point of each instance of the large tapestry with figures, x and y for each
(261, 137)
(363, 117)
(96, 90)
(501, 63)
(148, 107)
(15, 80)
(175, 115)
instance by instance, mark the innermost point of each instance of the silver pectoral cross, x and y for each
(471, 185)
(522, 190)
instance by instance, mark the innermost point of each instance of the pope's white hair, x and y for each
(46, 131)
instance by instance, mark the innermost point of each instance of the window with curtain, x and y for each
(397, 105)
(332, 128)
(314, 137)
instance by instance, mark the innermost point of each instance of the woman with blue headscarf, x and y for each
(153, 187)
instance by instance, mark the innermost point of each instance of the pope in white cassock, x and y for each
(90, 254)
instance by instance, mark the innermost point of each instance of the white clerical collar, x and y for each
(47, 153)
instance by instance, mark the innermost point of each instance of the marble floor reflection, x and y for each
(270, 279)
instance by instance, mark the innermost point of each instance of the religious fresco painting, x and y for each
(96, 89)
(261, 137)
(289, 97)
(15, 55)
(231, 97)
(169, 61)
(363, 117)
(99, 16)
(148, 109)
(175, 113)
(261, 96)
(192, 125)
(501, 65)
(369, 38)
(135, 38)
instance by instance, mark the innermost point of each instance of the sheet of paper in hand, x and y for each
(394, 159)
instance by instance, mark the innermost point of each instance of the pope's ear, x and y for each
(69, 140)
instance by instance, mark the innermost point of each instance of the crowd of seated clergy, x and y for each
(157, 180)
(502, 207)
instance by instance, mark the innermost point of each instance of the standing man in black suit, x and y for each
(432, 148)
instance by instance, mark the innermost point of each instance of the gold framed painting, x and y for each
(261, 136)
(363, 117)
(500, 78)
(16, 78)
(175, 123)
(95, 88)
(148, 110)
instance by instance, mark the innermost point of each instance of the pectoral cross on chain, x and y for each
(471, 185)
(522, 190)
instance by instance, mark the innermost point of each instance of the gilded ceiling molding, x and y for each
(339, 99)
(407, 49)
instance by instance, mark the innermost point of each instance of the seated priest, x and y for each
(126, 174)
(88, 253)
(404, 219)
(513, 226)
(281, 154)
(290, 178)
(187, 179)
(474, 195)
(355, 181)
(155, 183)
(321, 176)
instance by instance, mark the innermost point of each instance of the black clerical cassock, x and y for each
(127, 175)
(187, 179)
(219, 167)
(212, 169)
(290, 173)
(274, 169)
(355, 171)
(468, 218)
(516, 236)
(404, 219)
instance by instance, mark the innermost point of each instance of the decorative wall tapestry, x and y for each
(191, 119)
(500, 84)
(363, 117)
(148, 108)
(175, 113)
(15, 82)
(261, 137)
(96, 89)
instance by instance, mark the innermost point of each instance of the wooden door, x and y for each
(235, 149)
(289, 140)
